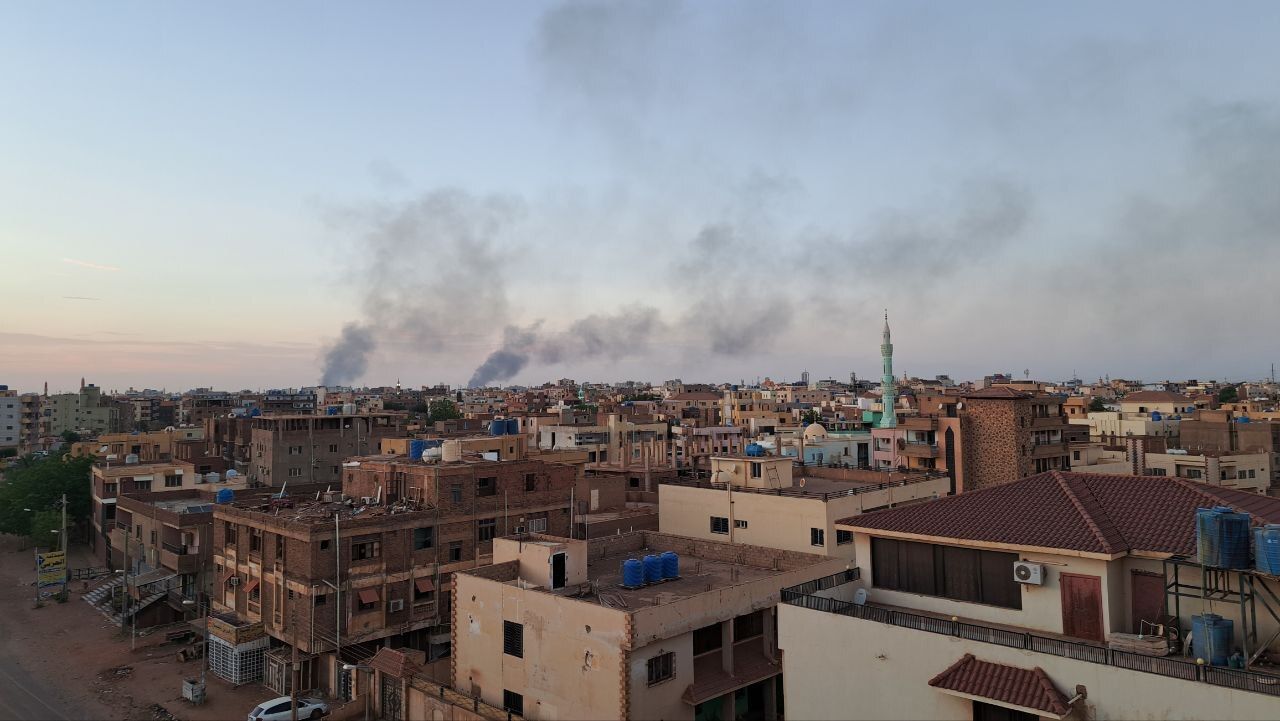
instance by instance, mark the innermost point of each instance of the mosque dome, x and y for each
(814, 430)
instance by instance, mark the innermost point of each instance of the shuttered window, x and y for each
(513, 639)
(962, 574)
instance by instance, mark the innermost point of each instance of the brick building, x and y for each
(310, 448)
(1009, 434)
(390, 548)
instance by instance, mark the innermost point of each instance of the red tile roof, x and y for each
(997, 392)
(1086, 512)
(394, 663)
(1028, 688)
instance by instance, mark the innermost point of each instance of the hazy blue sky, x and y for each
(196, 194)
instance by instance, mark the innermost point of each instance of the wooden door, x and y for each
(1081, 606)
(1148, 600)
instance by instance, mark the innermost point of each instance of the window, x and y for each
(321, 599)
(423, 591)
(739, 523)
(295, 450)
(1075, 455)
(295, 472)
(748, 626)
(255, 539)
(530, 482)
(172, 481)
(662, 667)
(817, 537)
(424, 537)
(255, 593)
(455, 492)
(843, 538)
(228, 533)
(537, 525)
(365, 549)
(487, 486)
(367, 599)
(513, 702)
(1240, 475)
(455, 551)
(142, 485)
(486, 528)
(324, 545)
(1253, 474)
(513, 639)
(961, 574)
(707, 639)
(1155, 471)
(719, 524)
(1195, 473)
(333, 447)
(755, 470)
(109, 489)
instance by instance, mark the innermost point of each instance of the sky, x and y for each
(252, 195)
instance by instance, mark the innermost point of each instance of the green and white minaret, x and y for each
(888, 394)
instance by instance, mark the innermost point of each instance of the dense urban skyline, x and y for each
(635, 190)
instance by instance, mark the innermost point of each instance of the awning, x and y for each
(368, 595)
(1021, 689)
(424, 585)
(250, 586)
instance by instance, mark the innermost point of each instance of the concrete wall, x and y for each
(838, 667)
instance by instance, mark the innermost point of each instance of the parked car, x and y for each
(277, 709)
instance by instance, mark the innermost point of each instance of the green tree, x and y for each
(1228, 395)
(811, 416)
(442, 410)
(8, 452)
(1097, 406)
(39, 485)
(43, 525)
(71, 436)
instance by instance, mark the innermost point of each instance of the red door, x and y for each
(1081, 606)
(1148, 600)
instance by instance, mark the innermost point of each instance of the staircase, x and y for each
(100, 598)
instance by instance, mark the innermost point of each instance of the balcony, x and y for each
(1048, 421)
(919, 449)
(805, 596)
(919, 423)
(1048, 449)
(179, 562)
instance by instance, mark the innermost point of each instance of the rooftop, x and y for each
(1155, 397)
(1027, 688)
(184, 505)
(1082, 512)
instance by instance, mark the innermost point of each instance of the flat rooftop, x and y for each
(294, 509)
(697, 576)
(185, 505)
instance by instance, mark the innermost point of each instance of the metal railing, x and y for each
(800, 492)
(176, 548)
(1168, 666)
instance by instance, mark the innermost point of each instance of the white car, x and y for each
(278, 709)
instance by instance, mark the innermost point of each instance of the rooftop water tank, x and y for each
(451, 452)
(497, 428)
(231, 473)
(671, 565)
(632, 573)
(131, 458)
(1266, 549)
(755, 450)
(212, 478)
(1155, 416)
(416, 447)
(348, 409)
(225, 495)
(513, 426)
(652, 568)
(1211, 636)
(1222, 537)
(1242, 419)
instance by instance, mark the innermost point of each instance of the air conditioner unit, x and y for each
(395, 604)
(233, 581)
(368, 500)
(1031, 573)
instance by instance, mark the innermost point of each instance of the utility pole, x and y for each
(64, 537)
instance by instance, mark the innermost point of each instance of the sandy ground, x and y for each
(72, 662)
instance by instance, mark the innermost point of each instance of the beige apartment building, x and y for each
(549, 631)
(617, 442)
(1024, 601)
(757, 500)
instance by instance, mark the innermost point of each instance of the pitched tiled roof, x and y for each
(1028, 688)
(997, 392)
(394, 663)
(1087, 512)
(1155, 397)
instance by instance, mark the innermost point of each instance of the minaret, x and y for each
(888, 396)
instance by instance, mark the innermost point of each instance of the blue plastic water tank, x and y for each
(497, 428)
(755, 449)
(1211, 636)
(632, 573)
(1234, 534)
(670, 565)
(1155, 416)
(513, 426)
(1207, 541)
(1243, 419)
(1266, 549)
(652, 568)
(416, 447)
(225, 495)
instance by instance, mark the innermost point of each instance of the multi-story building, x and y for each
(147, 447)
(1008, 434)
(815, 445)
(202, 404)
(382, 562)
(10, 419)
(1226, 432)
(616, 442)
(1053, 596)
(749, 408)
(552, 629)
(311, 448)
(85, 411)
(109, 480)
(30, 422)
(758, 500)
(692, 445)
